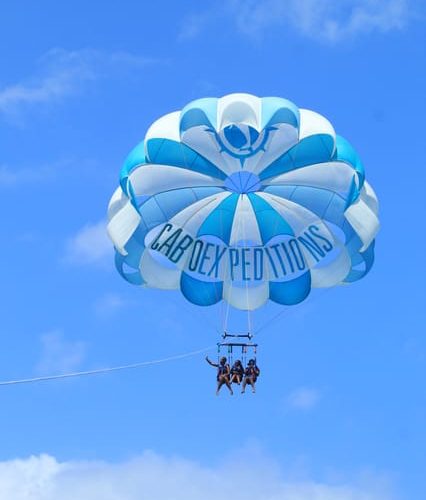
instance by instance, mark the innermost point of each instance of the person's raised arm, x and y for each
(211, 362)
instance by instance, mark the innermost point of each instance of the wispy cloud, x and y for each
(155, 477)
(108, 305)
(195, 23)
(60, 74)
(326, 20)
(11, 176)
(59, 354)
(90, 245)
(303, 398)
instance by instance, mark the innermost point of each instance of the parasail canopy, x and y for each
(243, 199)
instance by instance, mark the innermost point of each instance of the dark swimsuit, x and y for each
(222, 371)
(237, 370)
(252, 373)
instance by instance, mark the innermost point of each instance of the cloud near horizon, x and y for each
(154, 477)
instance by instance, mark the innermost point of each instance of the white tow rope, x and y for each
(105, 370)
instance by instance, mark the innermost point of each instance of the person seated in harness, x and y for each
(237, 372)
(223, 374)
(250, 376)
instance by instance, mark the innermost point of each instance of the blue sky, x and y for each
(341, 404)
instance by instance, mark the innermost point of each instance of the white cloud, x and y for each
(109, 304)
(153, 477)
(324, 19)
(63, 73)
(59, 354)
(195, 23)
(26, 174)
(327, 20)
(10, 176)
(90, 245)
(19, 176)
(303, 398)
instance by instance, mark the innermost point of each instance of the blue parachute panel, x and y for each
(290, 292)
(368, 261)
(194, 118)
(270, 222)
(151, 213)
(199, 112)
(322, 202)
(135, 158)
(219, 222)
(199, 292)
(134, 276)
(311, 150)
(346, 153)
(168, 152)
(276, 110)
(134, 251)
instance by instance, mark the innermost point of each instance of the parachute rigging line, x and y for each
(105, 370)
(291, 309)
(247, 289)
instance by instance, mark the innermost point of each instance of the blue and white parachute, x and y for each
(243, 199)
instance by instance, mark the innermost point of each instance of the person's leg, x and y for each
(228, 385)
(243, 390)
(219, 385)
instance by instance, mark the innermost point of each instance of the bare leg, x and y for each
(243, 390)
(219, 385)
(223, 380)
(228, 385)
(249, 381)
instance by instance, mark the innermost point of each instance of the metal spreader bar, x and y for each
(236, 344)
(237, 335)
